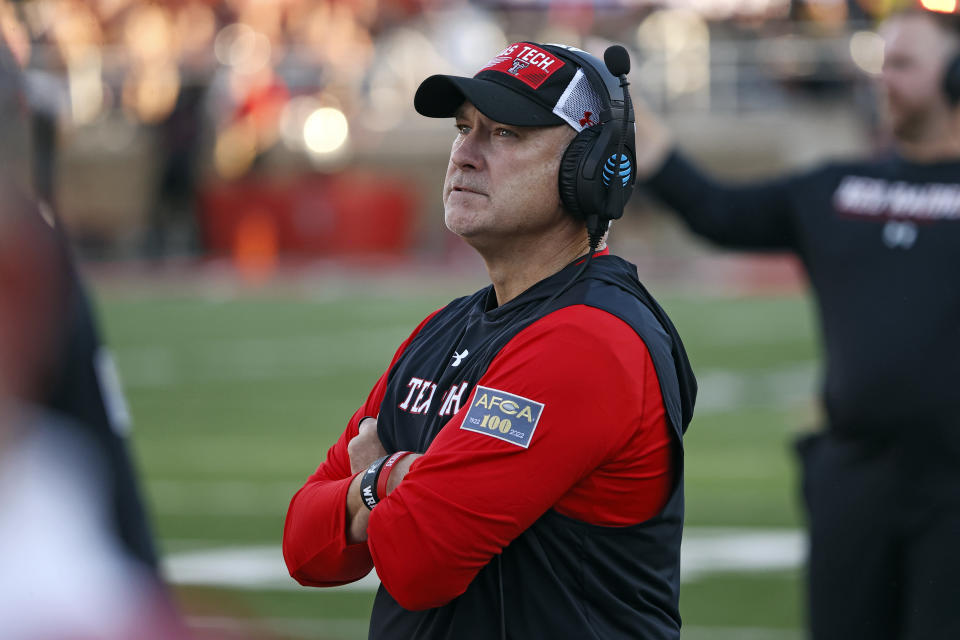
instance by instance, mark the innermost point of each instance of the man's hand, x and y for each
(365, 448)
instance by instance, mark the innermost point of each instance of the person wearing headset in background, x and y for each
(518, 470)
(880, 241)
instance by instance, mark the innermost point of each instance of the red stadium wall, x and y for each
(351, 213)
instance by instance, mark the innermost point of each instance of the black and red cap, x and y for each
(526, 84)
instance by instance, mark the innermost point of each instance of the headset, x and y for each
(951, 80)
(598, 169)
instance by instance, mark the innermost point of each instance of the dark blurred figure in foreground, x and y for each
(65, 573)
(880, 241)
(82, 382)
(77, 555)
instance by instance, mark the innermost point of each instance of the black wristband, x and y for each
(368, 483)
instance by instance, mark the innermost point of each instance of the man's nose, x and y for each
(467, 152)
(888, 75)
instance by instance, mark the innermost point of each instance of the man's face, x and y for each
(915, 55)
(502, 180)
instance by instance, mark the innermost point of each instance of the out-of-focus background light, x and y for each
(149, 34)
(828, 13)
(150, 92)
(942, 6)
(194, 29)
(239, 46)
(866, 50)
(325, 130)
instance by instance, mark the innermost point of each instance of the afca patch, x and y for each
(503, 415)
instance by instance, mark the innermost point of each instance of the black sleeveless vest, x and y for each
(561, 578)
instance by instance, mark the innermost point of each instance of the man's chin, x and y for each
(462, 221)
(464, 231)
(904, 124)
(906, 130)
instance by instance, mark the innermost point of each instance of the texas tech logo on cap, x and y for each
(517, 67)
(527, 62)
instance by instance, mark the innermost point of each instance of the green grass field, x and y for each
(236, 399)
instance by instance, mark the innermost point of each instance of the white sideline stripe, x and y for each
(310, 627)
(705, 551)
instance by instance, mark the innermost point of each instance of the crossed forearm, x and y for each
(364, 450)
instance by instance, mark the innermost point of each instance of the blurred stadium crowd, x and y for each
(140, 107)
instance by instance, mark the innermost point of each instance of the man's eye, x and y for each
(504, 133)
(463, 129)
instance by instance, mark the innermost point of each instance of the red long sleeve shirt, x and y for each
(600, 453)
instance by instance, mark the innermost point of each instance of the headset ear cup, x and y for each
(570, 167)
(951, 80)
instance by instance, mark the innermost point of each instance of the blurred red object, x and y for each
(351, 213)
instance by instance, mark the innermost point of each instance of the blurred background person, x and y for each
(879, 239)
(173, 225)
